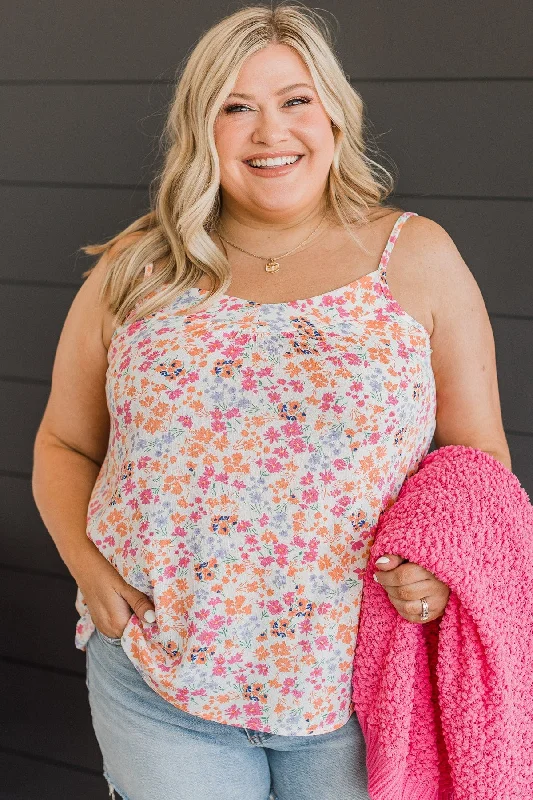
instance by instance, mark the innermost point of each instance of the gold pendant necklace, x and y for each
(272, 263)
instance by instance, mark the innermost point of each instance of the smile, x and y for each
(273, 171)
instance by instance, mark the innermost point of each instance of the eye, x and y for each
(304, 100)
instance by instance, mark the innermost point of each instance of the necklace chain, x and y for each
(272, 263)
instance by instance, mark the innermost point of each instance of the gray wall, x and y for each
(83, 89)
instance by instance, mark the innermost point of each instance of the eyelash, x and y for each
(230, 109)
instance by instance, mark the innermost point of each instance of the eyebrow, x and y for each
(278, 93)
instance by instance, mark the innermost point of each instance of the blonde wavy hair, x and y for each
(186, 200)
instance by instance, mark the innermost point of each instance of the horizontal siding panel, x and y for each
(25, 540)
(108, 134)
(23, 407)
(44, 228)
(521, 460)
(447, 138)
(419, 38)
(43, 628)
(494, 237)
(47, 714)
(28, 779)
(514, 344)
(31, 317)
(104, 134)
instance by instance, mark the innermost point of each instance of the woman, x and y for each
(243, 383)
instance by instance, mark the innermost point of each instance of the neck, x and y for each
(252, 232)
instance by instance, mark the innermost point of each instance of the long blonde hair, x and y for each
(186, 204)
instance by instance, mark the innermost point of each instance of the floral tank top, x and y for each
(252, 449)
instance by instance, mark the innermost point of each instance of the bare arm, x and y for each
(69, 449)
(463, 358)
(72, 439)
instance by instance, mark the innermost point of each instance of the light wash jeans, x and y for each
(153, 751)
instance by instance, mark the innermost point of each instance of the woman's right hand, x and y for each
(109, 598)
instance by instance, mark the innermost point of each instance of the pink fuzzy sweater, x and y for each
(446, 706)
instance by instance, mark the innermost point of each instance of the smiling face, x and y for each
(270, 121)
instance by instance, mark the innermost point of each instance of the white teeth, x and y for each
(273, 162)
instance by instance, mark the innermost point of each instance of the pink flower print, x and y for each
(310, 496)
(233, 712)
(170, 571)
(264, 519)
(275, 607)
(273, 465)
(182, 695)
(340, 463)
(272, 435)
(274, 396)
(146, 496)
(299, 542)
(291, 428)
(327, 399)
(129, 486)
(305, 626)
(287, 685)
(207, 637)
(297, 445)
(327, 477)
(296, 386)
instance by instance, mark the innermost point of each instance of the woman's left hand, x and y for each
(407, 583)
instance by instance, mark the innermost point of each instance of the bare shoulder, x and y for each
(427, 270)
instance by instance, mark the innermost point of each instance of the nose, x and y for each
(270, 129)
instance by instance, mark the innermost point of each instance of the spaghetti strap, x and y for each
(395, 232)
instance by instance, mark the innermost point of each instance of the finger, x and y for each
(140, 603)
(392, 562)
(405, 574)
(410, 592)
(411, 610)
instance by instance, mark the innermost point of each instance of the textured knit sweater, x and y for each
(446, 706)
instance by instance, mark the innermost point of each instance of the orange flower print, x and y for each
(171, 370)
(205, 571)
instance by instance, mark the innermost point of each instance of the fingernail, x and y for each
(383, 560)
(375, 577)
(149, 615)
